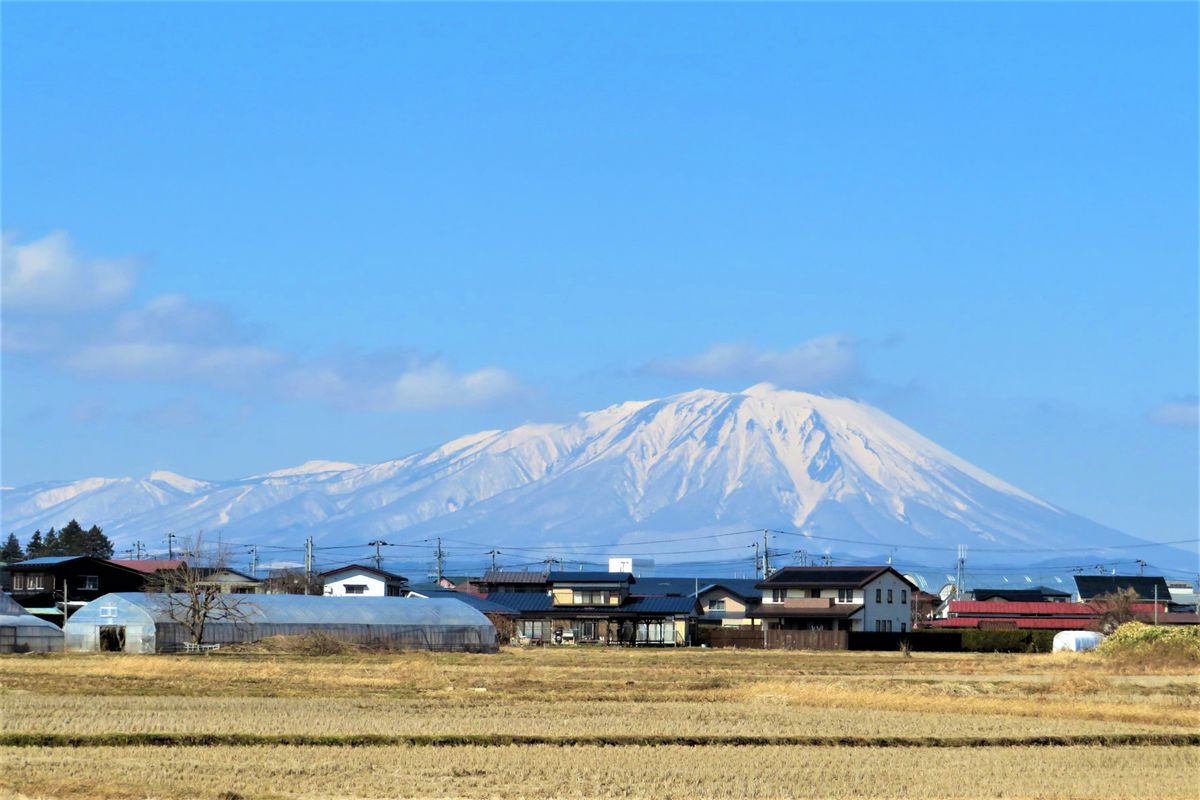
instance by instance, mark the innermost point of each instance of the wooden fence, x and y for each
(752, 637)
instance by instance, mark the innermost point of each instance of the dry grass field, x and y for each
(595, 723)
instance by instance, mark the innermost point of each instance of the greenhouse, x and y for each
(21, 632)
(134, 622)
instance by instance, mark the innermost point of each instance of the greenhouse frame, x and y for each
(21, 632)
(135, 622)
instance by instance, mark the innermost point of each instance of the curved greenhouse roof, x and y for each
(21, 632)
(136, 622)
(299, 609)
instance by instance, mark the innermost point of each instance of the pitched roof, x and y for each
(513, 576)
(389, 576)
(590, 577)
(208, 572)
(1090, 586)
(673, 604)
(973, 608)
(480, 604)
(523, 601)
(44, 560)
(743, 588)
(828, 577)
(836, 611)
(149, 565)
(1032, 594)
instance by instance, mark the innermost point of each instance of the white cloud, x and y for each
(47, 275)
(397, 381)
(1183, 413)
(172, 338)
(826, 361)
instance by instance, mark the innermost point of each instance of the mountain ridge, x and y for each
(698, 462)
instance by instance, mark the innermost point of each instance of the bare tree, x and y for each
(188, 596)
(1116, 609)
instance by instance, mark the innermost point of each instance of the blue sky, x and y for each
(238, 237)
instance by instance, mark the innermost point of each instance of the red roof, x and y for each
(1007, 609)
(149, 565)
(1044, 623)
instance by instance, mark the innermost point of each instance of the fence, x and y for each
(752, 637)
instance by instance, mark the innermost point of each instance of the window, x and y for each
(531, 629)
(716, 605)
(778, 595)
(393, 591)
(845, 596)
(91, 582)
(356, 588)
(883, 626)
(903, 627)
(904, 596)
(879, 595)
(589, 598)
(18, 581)
(889, 595)
(34, 581)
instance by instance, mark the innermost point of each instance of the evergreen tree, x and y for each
(52, 545)
(95, 543)
(11, 551)
(70, 540)
(36, 547)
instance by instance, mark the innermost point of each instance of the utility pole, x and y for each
(766, 556)
(171, 546)
(308, 550)
(139, 544)
(801, 557)
(253, 561)
(958, 577)
(1141, 567)
(378, 556)
(493, 553)
(439, 559)
(755, 545)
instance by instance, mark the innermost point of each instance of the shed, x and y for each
(21, 632)
(136, 622)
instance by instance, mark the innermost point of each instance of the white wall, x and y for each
(897, 611)
(335, 585)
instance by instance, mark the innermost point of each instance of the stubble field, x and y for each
(577, 722)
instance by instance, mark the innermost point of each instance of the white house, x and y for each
(836, 598)
(357, 580)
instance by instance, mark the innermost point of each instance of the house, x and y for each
(1153, 589)
(357, 580)
(867, 598)
(724, 602)
(230, 581)
(1035, 594)
(596, 607)
(150, 566)
(54, 587)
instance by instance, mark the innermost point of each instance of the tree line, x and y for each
(72, 540)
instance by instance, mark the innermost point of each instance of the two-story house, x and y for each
(597, 607)
(870, 598)
(724, 603)
(357, 580)
(54, 587)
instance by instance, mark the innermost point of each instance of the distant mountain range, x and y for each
(683, 467)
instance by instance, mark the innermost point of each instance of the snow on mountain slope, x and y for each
(694, 463)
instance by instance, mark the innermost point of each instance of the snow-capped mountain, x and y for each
(696, 463)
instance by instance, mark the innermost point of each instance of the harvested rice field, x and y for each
(576, 722)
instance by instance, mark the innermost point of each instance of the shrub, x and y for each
(1007, 641)
(1153, 644)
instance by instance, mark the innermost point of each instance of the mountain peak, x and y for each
(697, 463)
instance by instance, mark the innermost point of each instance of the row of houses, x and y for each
(614, 607)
